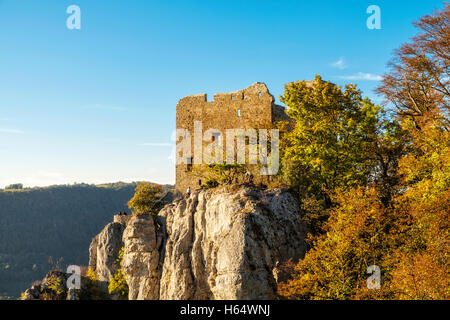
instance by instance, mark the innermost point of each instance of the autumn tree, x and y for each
(418, 83)
(423, 258)
(408, 240)
(146, 199)
(340, 140)
(332, 126)
(355, 238)
(389, 145)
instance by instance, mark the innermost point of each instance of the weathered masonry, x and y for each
(251, 108)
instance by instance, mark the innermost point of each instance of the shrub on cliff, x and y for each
(146, 199)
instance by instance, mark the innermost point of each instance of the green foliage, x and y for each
(118, 284)
(209, 184)
(225, 174)
(340, 141)
(146, 199)
(214, 175)
(333, 128)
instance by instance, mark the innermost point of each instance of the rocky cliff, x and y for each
(216, 244)
(105, 247)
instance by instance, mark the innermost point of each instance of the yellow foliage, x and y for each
(91, 274)
(146, 198)
(409, 240)
(118, 284)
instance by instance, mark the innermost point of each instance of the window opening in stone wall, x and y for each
(216, 136)
(189, 163)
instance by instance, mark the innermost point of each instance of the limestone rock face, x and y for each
(216, 244)
(141, 258)
(104, 251)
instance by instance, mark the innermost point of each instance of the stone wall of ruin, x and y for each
(244, 109)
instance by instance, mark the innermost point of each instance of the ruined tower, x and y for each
(250, 108)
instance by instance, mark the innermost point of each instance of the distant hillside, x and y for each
(57, 222)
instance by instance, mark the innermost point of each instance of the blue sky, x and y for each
(98, 104)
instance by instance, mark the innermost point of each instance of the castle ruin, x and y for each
(250, 108)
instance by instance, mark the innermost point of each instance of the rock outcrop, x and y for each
(216, 244)
(141, 258)
(104, 250)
